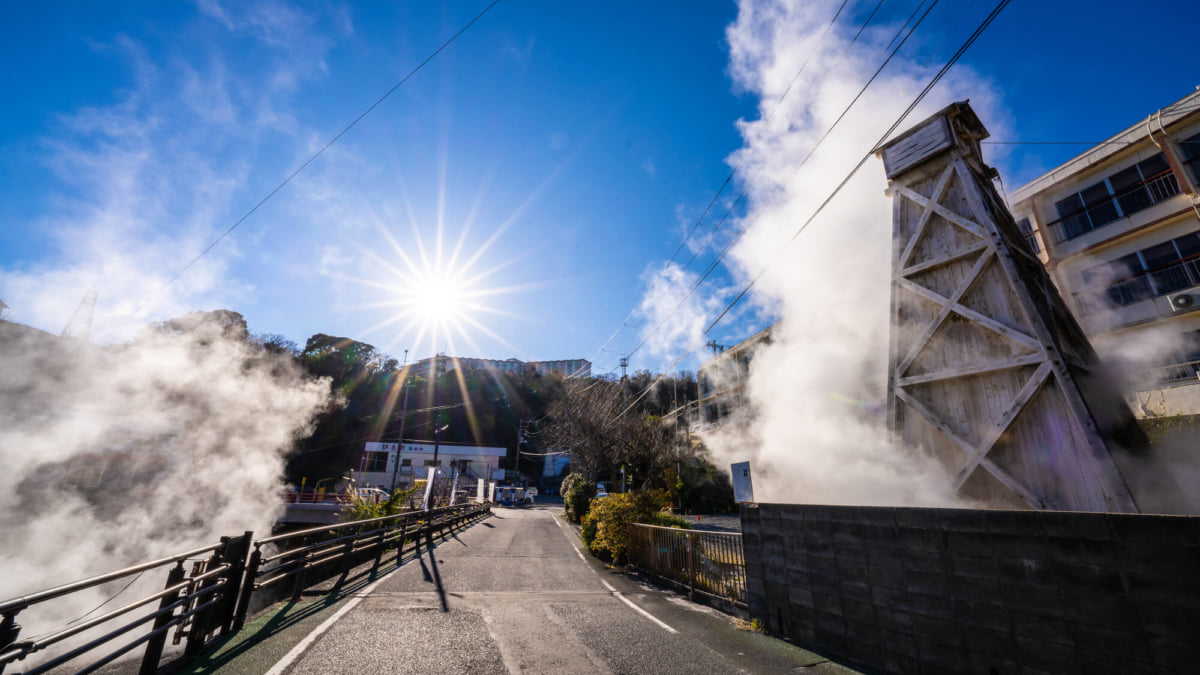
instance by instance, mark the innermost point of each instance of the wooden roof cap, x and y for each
(956, 124)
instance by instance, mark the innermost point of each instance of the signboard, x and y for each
(743, 489)
(492, 491)
(479, 492)
(454, 489)
(428, 488)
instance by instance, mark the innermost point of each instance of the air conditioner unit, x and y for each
(1186, 300)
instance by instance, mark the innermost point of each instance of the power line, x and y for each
(803, 161)
(900, 120)
(333, 140)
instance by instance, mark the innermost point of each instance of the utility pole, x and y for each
(403, 417)
(400, 441)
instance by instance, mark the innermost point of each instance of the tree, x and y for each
(603, 428)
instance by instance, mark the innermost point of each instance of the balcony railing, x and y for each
(1144, 286)
(1174, 375)
(1156, 189)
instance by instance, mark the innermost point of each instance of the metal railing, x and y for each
(709, 563)
(211, 596)
(1154, 190)
(1175, 374)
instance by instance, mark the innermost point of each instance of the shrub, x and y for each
(358, 508)
(577, 493)
(606, 526)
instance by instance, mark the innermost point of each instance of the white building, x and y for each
(1118, 228)
(442, 364)
(378, 462)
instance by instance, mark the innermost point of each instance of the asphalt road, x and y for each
(514, 594)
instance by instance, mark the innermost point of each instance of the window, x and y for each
(406, 462)
(1191, 155)
(1151, 272)
(1030, 238)
(375, 461)
(1130, 190)
(430, 462)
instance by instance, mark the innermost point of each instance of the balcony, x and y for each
(1154, 190)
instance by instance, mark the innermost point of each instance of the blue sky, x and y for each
(566, 146)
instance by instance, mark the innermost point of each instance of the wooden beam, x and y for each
(1012, 484)
(985, 321)
(973, 369)
(938, 191)
(947, 307)
(946, 260)
(942, 211)
(1018, 404)
(931, 417)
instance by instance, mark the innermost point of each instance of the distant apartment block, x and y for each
(1118, 228)
(442, 364)
(722, 380)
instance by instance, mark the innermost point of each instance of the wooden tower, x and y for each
(988, 370)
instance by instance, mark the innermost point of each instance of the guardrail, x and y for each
(709, 563)
(213, 597)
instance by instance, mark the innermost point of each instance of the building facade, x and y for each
(377, 464)
(722, 380)
(442, 364)
(1118, 228)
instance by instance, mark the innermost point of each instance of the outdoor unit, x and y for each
(1185, 300)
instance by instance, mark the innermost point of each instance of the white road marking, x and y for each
(614, 591)
(643, 612)
(291, 656)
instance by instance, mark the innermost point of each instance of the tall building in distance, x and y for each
(442, 364)
(1118, 228)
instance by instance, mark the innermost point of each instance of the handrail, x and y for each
(25, 601)
(214, 598)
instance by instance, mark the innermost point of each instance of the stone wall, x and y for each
(904, 590)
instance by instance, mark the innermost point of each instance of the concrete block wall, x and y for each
(904, 590)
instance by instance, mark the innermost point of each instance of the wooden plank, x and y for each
(947, 307)
(973, 369)
(938, 191)
(966, 446)
(1012, 484)
(945, 260)
(1018, 404)
(966, 312)
(919, 146)
(942, 211)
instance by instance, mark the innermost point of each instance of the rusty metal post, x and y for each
(234, 555)
(400, 546)
(154, 647)
(243, 603)
(379, 548)
(298, 585)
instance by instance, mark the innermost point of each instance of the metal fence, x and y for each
(208, 590)
(710, 563)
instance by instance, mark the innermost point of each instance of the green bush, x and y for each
(605, 528)
(577, 492)
(358, 508)
(664, 519)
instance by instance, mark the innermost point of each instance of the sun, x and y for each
(439, 297)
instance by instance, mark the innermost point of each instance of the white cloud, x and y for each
(816, 437)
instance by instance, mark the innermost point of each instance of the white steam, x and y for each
(111, 456)
(818, 433)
